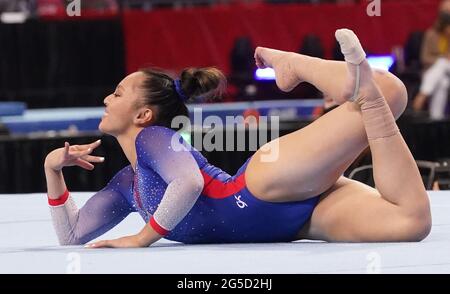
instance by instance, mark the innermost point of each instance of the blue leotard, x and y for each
(186, 199)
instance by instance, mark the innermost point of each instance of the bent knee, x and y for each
(394, 91)
(400, 98)
(418, 228)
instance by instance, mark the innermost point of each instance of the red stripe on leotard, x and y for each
(217, 189)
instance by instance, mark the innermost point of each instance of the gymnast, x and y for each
(300, 195)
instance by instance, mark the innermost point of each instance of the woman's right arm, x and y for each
(101, 212)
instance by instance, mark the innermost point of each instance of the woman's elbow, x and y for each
(70, 242)
(195, 184)
(73, 239)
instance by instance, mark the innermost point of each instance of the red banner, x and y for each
(174, 39)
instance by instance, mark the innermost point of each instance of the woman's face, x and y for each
(122, 108)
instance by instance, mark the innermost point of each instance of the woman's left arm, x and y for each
(144, 238)
(164, 151)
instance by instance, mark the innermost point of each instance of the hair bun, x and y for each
(207, 83)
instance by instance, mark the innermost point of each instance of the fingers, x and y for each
(87, 146)
(92, 145)
(73, 151)
(84, 164)
(85, 161)
(81, 153)
(95, 144)
(99, 244)
(66, 147)
(96, 159)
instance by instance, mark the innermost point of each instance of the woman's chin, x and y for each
(102, 128)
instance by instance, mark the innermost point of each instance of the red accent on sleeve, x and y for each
(160, 230)
(60, 200)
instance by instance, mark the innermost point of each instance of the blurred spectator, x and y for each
(243, 67)
(436, 61)
(16, 11)
(15, 6)
(50, 7)
(58, 7)
(241, 57)
(100, 4)
(311, 45)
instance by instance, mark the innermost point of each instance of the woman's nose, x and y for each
(105, 101)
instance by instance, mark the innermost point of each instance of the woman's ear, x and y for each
(143, 117)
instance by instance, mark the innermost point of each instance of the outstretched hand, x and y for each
(78, 155)
(144, 238)
(124, 242)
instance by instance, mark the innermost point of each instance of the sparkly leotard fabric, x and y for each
(183, 197)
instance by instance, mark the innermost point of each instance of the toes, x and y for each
(259, 58)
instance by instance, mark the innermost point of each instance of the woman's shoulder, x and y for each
(122, 180)
(155, 139)
(124, 175)
(159, 139)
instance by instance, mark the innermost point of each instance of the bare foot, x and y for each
(281, 62)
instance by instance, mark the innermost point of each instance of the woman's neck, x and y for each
(127, 141)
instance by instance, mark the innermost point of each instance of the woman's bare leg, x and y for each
(353, 212)
(398, 210)
(312, 159)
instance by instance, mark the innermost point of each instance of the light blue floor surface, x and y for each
(28, 245)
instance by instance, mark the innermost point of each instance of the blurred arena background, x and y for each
(55, 70)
